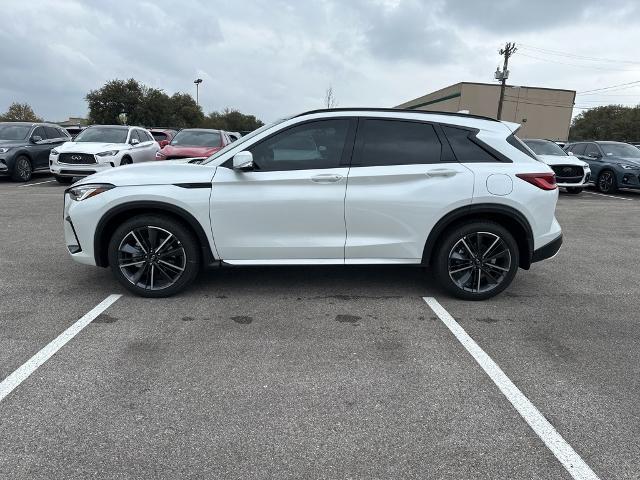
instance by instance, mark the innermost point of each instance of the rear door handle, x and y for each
(326, 178)
(441, 172)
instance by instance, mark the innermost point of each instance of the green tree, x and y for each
(116, 97)
(232, 120)
(20, 112)
(185, 112)
(610, 122)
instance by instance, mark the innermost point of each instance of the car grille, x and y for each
(77, 158)
(568, 173)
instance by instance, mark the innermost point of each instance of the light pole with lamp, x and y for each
(197, 81)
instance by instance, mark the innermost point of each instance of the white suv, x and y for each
(101, 147)
(459, 193)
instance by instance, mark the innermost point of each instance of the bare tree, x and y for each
(329, 99)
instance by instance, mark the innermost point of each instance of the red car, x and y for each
(163, 135)
(194, 142)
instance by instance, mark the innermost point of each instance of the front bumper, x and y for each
(547, 251)
(80, 170)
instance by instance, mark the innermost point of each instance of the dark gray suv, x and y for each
(613, 164)
(25, 147)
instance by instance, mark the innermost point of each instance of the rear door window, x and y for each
(396, 142)
(578, 148)
(52, 133)
(465, 148)
(591, 150)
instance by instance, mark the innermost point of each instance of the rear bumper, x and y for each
(547, 251)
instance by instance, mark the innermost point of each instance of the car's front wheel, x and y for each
(476, 261)
(154, 255)
(607, 182)
(22, 170)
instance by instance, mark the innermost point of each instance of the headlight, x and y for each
(82, 192)
(53, 152)
(110, 153)
(4, 149)
(629, 167)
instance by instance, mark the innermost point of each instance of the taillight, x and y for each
(545, 181)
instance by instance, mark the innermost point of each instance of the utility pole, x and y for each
(197, 81)
(508, 50)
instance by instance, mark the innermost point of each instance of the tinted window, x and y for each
(620, 150)
(465, 149)
(591, 150)
(578, 149)
(308, 146)
(134, 136)
(159, 136)
(545, 147)
(62, 133)
(143, 136)
(52, 132)
(389, 142)
(39, 132)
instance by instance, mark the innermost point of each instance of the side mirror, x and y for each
(243, 161)
(570, 154)
(36, 139)
(594, 155)
(134, 141)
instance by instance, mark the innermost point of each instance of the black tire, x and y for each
(456, 268)
(22, 169)
(63, 180)
(574, 190)
(607, 182)
(151, 231)
(126, 161)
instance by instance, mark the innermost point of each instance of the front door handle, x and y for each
(327, 178)
(441, 172)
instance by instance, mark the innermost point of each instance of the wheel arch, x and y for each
(120, 213)
(506, 216)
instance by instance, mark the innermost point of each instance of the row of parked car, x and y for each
(607, 165)
(27, 148)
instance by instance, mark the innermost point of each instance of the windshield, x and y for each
(14, 132)
(103, 135)
(620, 150)
(197, 138)
(247, 137)
(545, 147)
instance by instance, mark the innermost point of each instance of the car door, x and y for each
(136, 152)
(290, 208)
(593, 156)
(39, 149)
(148, 146)
(403, 179)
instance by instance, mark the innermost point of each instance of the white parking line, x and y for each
(610, 196)
(571, 461)
(38, 183)
(26, 369)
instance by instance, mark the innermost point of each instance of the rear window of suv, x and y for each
(465, 148)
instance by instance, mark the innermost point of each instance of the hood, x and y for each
(153, 173)
(13, 143)
(91, 147)
(630, 160)
(185, 151)
(561, 160)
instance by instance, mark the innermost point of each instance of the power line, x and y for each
(576, 56)
(589, 67)
(610, 87)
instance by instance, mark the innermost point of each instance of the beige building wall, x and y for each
(542, 112)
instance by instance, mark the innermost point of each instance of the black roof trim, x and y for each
(395, 110)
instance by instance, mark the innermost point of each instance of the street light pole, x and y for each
(197, 81)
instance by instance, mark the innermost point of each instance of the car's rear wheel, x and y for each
(154, 255)
(574, 190)
(63, 180)
(607, 182)
(126, 161)
(476, 261)
(22, 169)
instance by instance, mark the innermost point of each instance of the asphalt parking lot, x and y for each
(320, 372)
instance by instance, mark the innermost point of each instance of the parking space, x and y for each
(318, 372)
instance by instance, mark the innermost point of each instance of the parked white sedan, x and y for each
(101, 147)
(571, 173)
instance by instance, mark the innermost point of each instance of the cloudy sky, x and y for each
(275, 57)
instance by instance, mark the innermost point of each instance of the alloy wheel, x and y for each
(479, 262)
(151, 258)
(23, 169)
(605, 182)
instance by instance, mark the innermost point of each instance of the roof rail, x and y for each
(395, 110)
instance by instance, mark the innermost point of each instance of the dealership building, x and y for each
(542, 112)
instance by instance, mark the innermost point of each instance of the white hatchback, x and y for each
(458, 193)
(101, 147)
